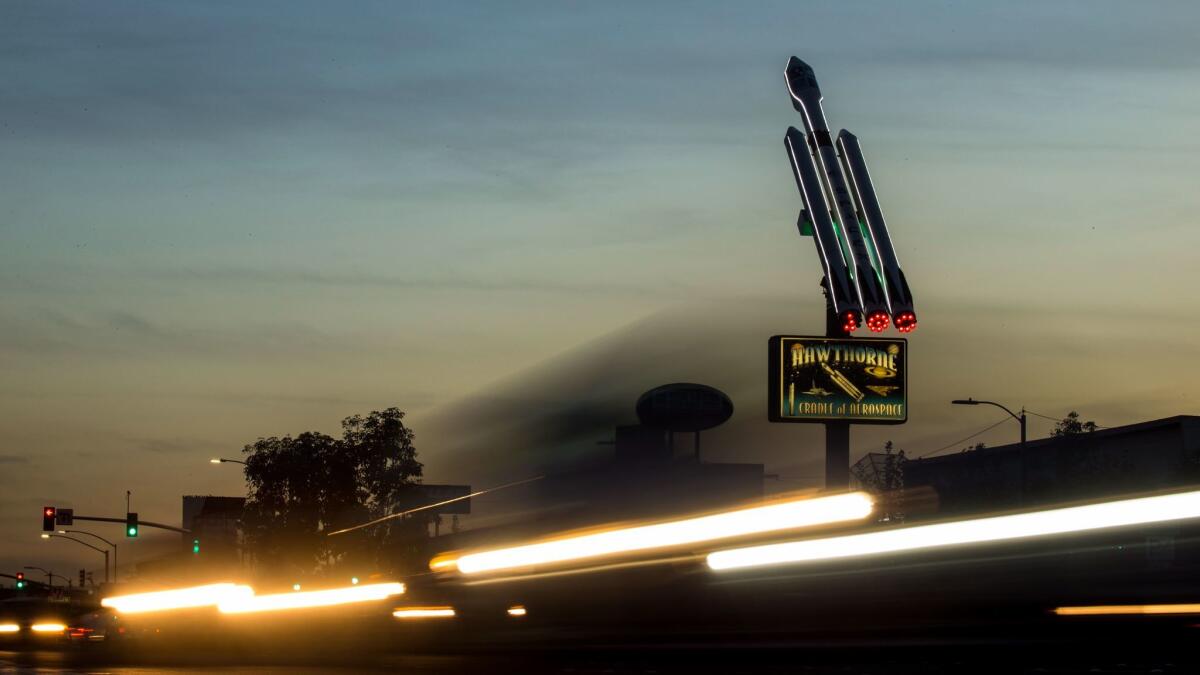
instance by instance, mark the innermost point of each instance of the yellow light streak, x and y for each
(181, 598)
(517, 610)
(48, 627)
(756, 520)
(999, 528)
(9, 628)
(1101, 610)
(424, 613)
(308, 599)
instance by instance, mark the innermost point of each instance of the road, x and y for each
(927, 659)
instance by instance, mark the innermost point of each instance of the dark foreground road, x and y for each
(866, 659)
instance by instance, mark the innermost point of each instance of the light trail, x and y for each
(756, 520)
(999, 528)
(48, 627)
(517, 610)
(324, 598)
(183, 598)
(424, 613)
(401, 514)
(1111, 610)
(9, 628)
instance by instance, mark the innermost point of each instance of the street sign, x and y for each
(854, 380)
(65, 517)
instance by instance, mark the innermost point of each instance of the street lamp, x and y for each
(49, 575)
(84, 543)
(1020, 418)
(222, 460)
(114, 552)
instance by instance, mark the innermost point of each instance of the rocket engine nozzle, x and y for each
(906, 322)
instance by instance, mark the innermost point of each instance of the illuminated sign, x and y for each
(856, 380)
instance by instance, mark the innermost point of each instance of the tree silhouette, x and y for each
(303, 487)
(1070, 425)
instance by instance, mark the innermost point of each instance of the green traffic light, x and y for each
(195, 546)
(132, 532)
(20, 585)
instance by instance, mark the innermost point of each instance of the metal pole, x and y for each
(1021, 494)
(106, 567)
(837, 434)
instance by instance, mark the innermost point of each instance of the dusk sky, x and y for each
(227, 220)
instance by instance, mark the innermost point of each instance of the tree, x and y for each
(1070, 426)
(303, 487)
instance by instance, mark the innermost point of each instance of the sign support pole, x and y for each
(837, 434)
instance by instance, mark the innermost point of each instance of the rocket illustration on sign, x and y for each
(862, 275)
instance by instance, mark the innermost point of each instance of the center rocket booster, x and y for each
(806, 99)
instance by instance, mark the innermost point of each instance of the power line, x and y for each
(1056, 419)
(950, 445)
(401, 514)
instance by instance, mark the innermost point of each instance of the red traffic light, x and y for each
(48, 514)
(20, 576)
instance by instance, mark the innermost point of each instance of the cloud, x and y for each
(47, 330)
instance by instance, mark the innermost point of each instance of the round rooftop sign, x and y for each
(683, 407)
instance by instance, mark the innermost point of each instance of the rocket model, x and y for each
(862, 275)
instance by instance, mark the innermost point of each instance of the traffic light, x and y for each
(82, 577)
(131, 525)
(48, 513)
(196, 546)
(20, 580)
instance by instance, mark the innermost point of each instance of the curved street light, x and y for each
(222, 460)
(83, 543)
(49, 575)
(114, 552)
(1020, 418)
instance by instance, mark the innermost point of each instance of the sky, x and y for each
(223, 220)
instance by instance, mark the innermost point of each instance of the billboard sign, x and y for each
(855, 380)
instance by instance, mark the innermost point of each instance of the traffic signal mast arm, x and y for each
(144, 523)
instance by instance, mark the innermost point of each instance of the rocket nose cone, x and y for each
(800, 76)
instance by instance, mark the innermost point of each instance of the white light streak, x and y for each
(756, 520)
(424, 613)
(307, 599)
(48, 627)
(517, 610)
(1107, 610)
(999, 528)
(183, 598)
(9, 628)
